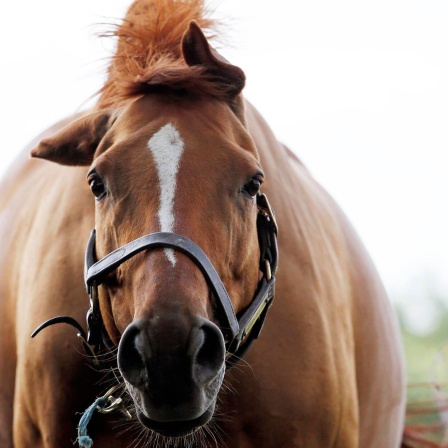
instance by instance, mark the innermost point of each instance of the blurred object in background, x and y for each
(425, 338)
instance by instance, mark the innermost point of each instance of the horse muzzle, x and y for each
(174, 368)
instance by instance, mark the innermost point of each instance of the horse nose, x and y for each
(148, 354)
(207, 349)
(131, 356)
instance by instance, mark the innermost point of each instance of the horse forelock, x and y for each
(149, 55)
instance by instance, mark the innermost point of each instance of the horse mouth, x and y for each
(177, 428)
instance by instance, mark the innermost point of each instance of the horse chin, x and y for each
(177, 429)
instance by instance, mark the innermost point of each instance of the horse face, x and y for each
(189, 167)
(172, 162)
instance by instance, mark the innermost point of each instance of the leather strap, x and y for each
(96, 273)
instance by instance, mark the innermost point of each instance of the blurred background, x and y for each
(359, 90)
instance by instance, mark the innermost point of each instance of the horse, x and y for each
(201, 217)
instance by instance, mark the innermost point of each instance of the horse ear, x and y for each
(76, 144)
(197, 51)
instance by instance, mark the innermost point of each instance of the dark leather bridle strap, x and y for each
(97, 272)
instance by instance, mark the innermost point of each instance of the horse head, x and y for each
(178, 159)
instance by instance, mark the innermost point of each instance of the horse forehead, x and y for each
(197, 121)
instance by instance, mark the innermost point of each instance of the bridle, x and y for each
(239, 331)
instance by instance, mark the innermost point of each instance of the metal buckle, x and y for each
(264, 204)
(115, 404)
(267, 266)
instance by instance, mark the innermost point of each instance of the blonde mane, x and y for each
(149, 55)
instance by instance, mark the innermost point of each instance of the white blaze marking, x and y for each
(167, 147)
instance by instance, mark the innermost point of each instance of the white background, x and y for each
(359, 90)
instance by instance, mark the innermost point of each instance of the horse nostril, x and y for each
(210, 352)
(132, 346)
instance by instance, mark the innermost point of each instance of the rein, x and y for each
(239, 331)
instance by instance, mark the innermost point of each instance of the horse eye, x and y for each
(252, 187)
(97, 186)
